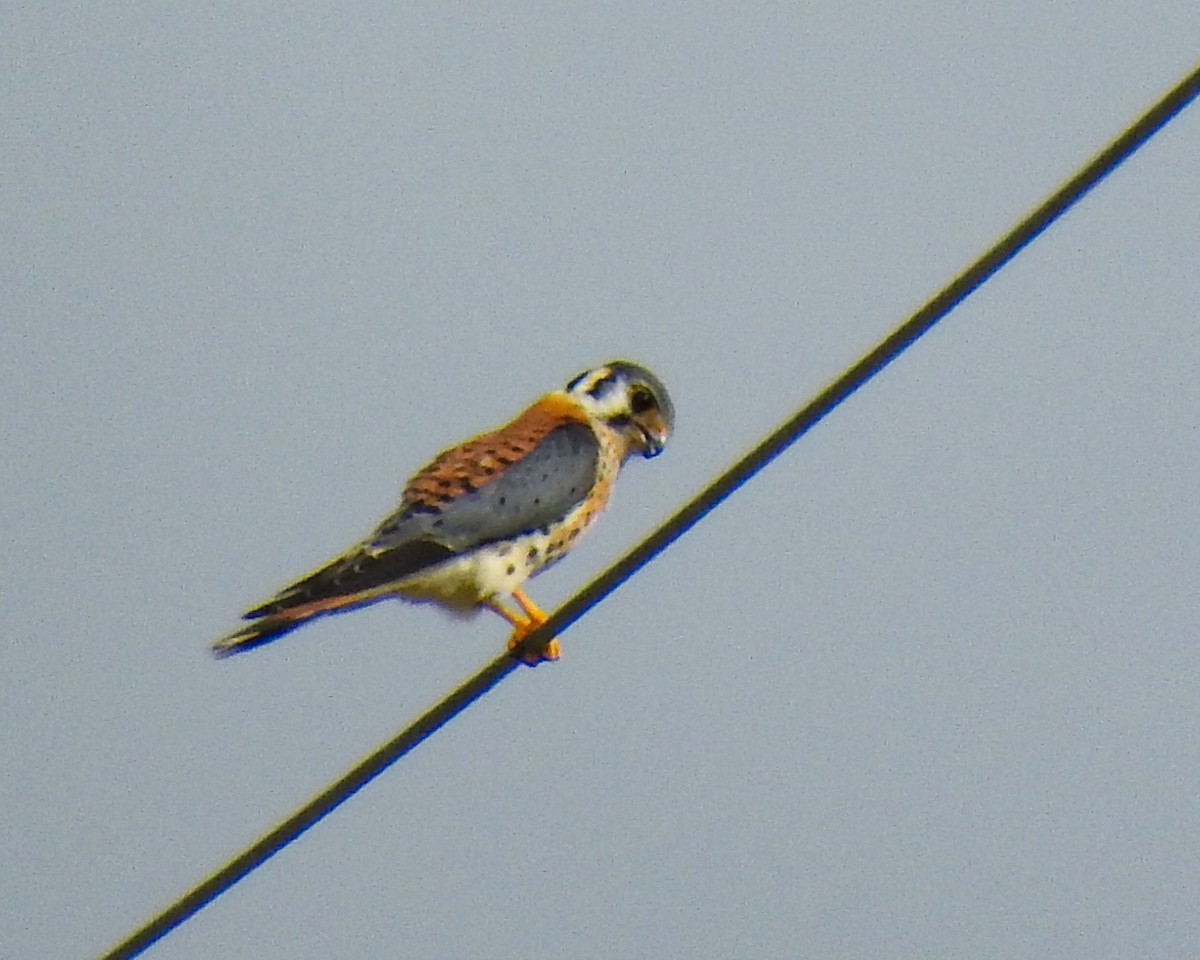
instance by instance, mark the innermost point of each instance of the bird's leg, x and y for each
(537, 616)
(524, 625)
(532, 610)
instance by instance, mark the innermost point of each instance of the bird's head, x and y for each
(630, 400)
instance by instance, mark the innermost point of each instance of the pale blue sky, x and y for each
(927, 688)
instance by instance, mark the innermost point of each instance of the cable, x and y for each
(716, 492)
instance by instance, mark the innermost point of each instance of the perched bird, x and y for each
(487, 515)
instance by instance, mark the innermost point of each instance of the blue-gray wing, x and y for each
(530, 494)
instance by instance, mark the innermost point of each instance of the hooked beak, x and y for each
(654, 433)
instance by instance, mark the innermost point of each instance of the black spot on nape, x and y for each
(602, 386)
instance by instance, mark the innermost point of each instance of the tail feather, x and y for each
(256, 634)
(358, 573)
(266, 627)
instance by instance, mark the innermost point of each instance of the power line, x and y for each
(715, 493)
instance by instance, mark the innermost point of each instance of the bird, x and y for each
(483, 517)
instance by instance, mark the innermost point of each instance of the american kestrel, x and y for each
(487, 515)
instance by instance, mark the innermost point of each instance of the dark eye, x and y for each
(641, 400)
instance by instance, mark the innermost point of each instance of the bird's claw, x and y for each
(532, 658)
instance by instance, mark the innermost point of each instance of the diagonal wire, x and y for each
(705, 501)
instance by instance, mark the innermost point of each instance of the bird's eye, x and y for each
(641, 400)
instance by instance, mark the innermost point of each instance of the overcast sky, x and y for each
(928, 687)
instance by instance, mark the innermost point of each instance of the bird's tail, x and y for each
(270, 621)
(256, 633)
(339, 585)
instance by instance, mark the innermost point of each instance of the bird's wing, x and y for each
(472, 496)
(518, 479)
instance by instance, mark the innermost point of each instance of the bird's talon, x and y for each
(532, 658)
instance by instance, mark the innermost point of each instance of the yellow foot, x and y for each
(524, 626)
(532, 657)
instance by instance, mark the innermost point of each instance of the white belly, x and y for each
(495, 570)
